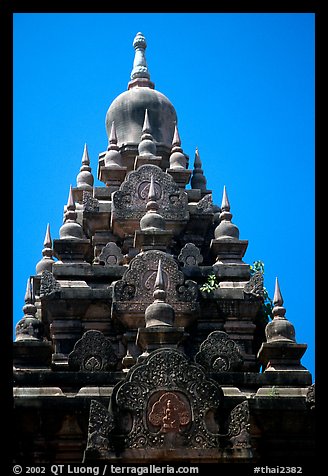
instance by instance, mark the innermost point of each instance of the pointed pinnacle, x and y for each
(197, 161)
(152, 192)
(176, 141)
(159, 282)
(29, 293)
(70, 202)
(225, 205)
(112, 135)
(146, 124)
(85, 156)
(47, 240)
(277, 298)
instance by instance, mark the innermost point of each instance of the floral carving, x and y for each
(135, 290)
(48, 285)
(131, 199)
(166, 375)
(111, 255)
(219, 353)
(239, 426)
(190, 255)
(93, 352)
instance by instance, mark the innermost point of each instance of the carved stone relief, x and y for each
(111, 255)
(219, 353)
(190, 255)
(131, 199)
(166, 403)
(134, 292)
(93, 353)
(175, 396)
(239, 426)
(48, 285)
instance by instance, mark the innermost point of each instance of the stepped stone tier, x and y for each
(120, 354)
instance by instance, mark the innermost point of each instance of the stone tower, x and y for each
(120, 354)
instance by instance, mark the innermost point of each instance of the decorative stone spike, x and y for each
(152, 233)
(29, 328)
(159, 319)
(198, 179)
(177, 158)
(226, 229)
(110, 169)
(85, 178)
(178, 162)
(47, 261)
(147, 145)
(113, 157)
(152, 220)
(70, 229)
(280, 352)
(227, 246)
(72, 247)
(279, 329)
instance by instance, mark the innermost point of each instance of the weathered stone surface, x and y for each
(134, 292)
(129, 202)
(219, 353)
(167, 375)
(190, 255)
(111, 255)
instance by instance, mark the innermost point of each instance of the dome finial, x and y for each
(140, 75)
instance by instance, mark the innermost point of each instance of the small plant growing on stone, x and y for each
(211, 284)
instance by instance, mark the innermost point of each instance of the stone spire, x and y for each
(159, 330)
(113, 157)
(85, 178)
(225, 228)
(70, 229)
(140, 75)
(29, 327)
(152, 220)
(280, 352)
(45, 264)
(177, 158)
(279, 329)
(159, 313)
(198, 179)
(147, 145)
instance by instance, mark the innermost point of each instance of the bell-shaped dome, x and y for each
(128, 109)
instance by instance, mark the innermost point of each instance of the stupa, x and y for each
(120, 355)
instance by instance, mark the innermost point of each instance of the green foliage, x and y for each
(211, 284)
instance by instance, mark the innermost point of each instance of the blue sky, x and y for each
(243, 89)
